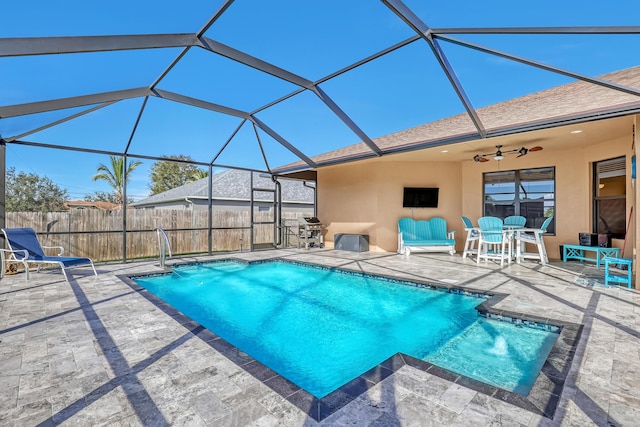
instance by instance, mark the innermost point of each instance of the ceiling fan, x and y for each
(499, 154)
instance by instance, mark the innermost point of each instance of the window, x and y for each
(610, 197)
(526, 192)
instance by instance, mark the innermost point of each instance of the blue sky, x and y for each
(312, 39)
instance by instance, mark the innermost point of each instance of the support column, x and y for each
(635, 196)
(3, 183)
(124, 208)
(210, 211)
(251, 210)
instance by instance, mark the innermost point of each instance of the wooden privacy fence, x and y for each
(98, 234)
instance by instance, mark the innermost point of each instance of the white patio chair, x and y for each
(493, 240)
(473, 235)
(533, 236)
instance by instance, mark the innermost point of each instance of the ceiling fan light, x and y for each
(499, 154)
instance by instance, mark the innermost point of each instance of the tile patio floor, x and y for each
(96, 352)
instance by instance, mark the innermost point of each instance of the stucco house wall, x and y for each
(366, 196)
(574, 191)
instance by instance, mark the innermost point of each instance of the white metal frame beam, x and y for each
(71, 102)
(417, 25)
(536, 64)
(69, 45)
(30, 46)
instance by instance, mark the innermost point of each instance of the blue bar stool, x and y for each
(616, 278)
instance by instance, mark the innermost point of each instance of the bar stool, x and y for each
(616, 278)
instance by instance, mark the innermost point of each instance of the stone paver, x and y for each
(96, 352)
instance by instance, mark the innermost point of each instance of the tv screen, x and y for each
(420, 197)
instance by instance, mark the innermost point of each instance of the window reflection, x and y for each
(526, 192)
(610, 190)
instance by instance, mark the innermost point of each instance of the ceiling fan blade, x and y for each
(483, 159)
(523, 152)
(537, 148)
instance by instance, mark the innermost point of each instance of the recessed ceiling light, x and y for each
(444, 151)
(576, 131)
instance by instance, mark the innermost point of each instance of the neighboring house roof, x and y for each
(83, 204)
(558, 104)
(233, 184)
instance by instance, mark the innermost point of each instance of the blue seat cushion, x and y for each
(430, 242)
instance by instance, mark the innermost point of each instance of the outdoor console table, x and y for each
(578, 252)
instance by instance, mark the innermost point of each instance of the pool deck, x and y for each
(97, 352)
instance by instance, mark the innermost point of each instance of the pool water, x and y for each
(497, 353)
(320, 328)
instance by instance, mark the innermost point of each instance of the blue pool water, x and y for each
(321, 328)
(497, 353)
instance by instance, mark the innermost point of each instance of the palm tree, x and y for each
(198, 174)
(115, 175)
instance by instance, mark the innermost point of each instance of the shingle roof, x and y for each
(556, 104)
(233, 185)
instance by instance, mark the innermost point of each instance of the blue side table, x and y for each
(616, 278)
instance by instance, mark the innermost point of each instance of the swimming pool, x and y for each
(321, 327)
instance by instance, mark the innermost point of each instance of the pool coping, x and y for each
(543, 398)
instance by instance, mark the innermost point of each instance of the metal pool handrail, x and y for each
(163, 245)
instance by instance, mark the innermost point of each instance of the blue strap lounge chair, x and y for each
(25, 247)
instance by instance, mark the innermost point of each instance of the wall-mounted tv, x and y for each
(420, 197)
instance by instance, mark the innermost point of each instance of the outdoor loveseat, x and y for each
(425, 235)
